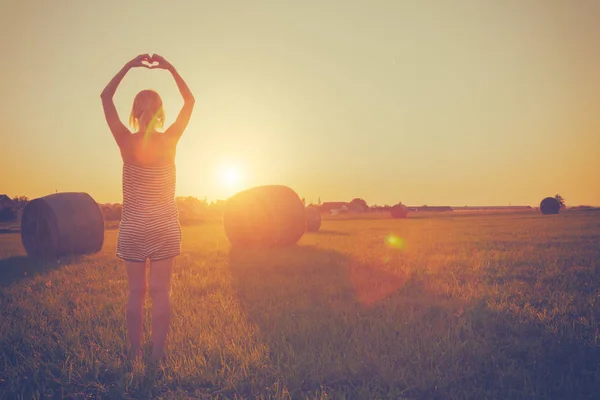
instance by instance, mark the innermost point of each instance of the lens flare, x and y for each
(395, 242)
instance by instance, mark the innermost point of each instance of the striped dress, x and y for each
(149, 227)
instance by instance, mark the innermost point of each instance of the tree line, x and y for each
(192, 209)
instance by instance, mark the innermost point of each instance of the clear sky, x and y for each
(426, 102)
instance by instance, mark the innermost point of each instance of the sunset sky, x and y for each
(425, 102)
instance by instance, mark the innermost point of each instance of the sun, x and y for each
(230, 177)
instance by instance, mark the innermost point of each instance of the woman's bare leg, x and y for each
(136, 274)
(160, 291)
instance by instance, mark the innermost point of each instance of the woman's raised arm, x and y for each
(118, 129)
(177, 128)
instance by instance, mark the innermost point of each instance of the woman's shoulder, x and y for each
(155, 136)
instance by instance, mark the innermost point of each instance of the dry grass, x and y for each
(500, 306)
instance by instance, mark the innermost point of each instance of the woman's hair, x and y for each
(147, 108)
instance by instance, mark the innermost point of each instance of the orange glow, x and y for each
(422, 103)
(230, 178)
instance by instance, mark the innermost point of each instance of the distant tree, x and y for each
(216, 207)
(360, 204)
(116, 212)
(560, 200)
(111, 212)
(191, 208)
(20, 201)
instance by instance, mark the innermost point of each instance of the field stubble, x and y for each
(498, 306)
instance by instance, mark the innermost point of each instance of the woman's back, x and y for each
(153, 149)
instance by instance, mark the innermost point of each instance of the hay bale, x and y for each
(313, 219)
(62, 224)
(398, 211)
(549, 206)
(264, 216)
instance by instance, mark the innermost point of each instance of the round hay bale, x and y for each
(264, 216)
(398, 211)
(313, 219)
(62, 224)
(549, 206)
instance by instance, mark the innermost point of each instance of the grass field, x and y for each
(469, 306)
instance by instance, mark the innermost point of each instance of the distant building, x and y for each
(334, 207)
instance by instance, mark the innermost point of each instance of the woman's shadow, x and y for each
(328, 320)
(305, 302)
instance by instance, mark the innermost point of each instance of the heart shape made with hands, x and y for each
(150, 62)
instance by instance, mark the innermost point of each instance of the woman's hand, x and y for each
(157, 61)
(143, 60)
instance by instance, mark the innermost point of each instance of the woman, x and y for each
(149, 228)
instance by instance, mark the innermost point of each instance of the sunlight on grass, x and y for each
(476, 307)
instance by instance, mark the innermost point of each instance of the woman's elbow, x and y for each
(189, 102)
